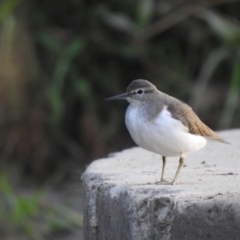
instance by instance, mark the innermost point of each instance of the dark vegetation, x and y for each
(60, 59)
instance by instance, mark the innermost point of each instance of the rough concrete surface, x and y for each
(122, 200)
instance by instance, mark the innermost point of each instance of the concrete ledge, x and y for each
(123, 202)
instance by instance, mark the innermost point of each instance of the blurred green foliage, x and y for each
(7, 7)
(31, 215)
(65, 56)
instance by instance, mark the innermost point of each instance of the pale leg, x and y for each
(164, 160)
(181, 162)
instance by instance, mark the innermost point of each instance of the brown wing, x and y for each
(182, 112)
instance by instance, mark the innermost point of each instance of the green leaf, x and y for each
(81, 87)
(74, 48)
(229, 31)
(7, 7)
(145, 11)
(6, 188)
(56, 103)
(50, 43)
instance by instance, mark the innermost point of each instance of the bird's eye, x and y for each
(140, 91)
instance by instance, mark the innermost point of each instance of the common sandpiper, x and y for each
(163, 124)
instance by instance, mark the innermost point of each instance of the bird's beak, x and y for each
(118, 97)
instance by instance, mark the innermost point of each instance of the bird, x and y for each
(163, 124)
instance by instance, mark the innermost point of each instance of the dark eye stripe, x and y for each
(149, 91)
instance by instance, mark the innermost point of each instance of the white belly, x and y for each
(164, 135)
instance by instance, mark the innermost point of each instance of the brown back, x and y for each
(182, 112)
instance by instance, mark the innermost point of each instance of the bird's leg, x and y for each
(164, 160)
(181, 162)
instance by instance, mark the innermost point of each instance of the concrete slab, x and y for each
(122, 200)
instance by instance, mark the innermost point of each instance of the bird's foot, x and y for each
(174, 183)
(165, 182)
(162, 182)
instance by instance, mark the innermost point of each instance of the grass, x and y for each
(33, 214)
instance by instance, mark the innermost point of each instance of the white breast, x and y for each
(163, 135)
